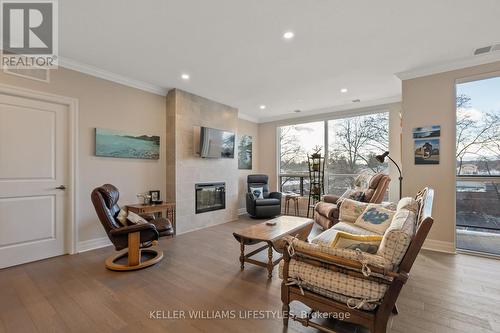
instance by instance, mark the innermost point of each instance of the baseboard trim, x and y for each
(439, 246)
(242, 211)
(93, 244)
(204, 227)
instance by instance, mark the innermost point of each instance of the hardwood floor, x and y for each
(201, 271)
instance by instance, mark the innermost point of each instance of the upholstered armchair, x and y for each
(344, 279)
(269, 205)
(135, 239)
(326, 212)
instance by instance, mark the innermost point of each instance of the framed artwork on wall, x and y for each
(427, 151)
(111, 143)
(245, 152)
(427, 145)
(427, 132)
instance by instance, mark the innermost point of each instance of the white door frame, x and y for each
(71, 236)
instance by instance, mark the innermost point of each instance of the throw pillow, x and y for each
(135, 219)
(258, 192)
(352, 194)
(398, 236)
(390, 205)
(375, 218)
(122, 217)
(408, 203)
(350, 210)
(357, 195)
(344, 240)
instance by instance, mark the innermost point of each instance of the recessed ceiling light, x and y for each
(185, 76)
(343, 90)
(288, 35)
(262, 107)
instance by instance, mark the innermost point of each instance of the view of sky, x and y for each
(484, 94)
(484, 98)
(307, 136)
(310, 135)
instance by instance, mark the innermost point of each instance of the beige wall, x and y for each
(191, 111)
(246, 127)
(427, 101)
(107, 105)
(268, 140)
(268, 152)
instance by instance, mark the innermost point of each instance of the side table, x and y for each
(167, 207)
(295, 200)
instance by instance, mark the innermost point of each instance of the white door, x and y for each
(34, 162)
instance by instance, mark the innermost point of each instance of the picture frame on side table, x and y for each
(155, 196)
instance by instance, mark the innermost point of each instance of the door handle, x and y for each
(61, 187)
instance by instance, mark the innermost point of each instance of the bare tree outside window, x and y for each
(356, 141)
(477, 139)
(353, 144)
(296, 142)
(290, 151)
(478, 165)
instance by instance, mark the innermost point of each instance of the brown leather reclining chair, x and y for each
(137, 239)
(326, 212)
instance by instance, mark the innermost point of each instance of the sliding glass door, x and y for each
(478, 166)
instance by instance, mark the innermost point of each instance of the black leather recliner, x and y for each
(269, 206)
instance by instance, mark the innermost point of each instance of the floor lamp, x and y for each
(381, 159)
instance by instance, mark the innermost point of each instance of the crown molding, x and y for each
(449, 66)
(110, 76)
(364, 106)
(248, 117)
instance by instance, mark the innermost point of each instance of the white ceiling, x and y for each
(235, 54)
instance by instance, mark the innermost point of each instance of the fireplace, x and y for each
(210, 196)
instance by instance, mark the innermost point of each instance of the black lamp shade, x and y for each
(382, 157)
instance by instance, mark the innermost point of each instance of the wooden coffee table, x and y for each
(269, 234)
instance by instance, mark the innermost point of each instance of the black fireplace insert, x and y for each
(210, 196)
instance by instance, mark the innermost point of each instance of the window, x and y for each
(478, 128)
(478, 166)
(296, 142)
(352, 144)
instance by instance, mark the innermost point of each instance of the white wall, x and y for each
(107, 105)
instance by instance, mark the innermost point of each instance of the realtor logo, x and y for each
(29, 33)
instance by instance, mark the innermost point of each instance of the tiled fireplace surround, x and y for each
(185, 113)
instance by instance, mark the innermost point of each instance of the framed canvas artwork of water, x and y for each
(112, 143)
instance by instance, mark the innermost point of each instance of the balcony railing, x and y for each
(478, 203)
(299, 183)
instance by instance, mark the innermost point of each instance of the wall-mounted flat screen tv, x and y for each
(216, 143)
